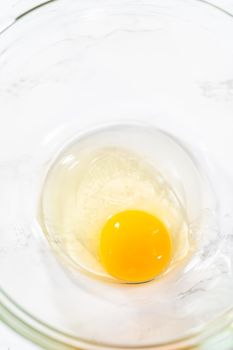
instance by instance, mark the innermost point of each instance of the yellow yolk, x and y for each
(135, 246)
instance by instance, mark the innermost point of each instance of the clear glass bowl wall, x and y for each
(68, 66)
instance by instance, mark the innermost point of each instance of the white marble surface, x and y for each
(9, 9)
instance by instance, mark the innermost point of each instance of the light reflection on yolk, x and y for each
(135, 246)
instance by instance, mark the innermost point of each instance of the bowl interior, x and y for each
(69, 66)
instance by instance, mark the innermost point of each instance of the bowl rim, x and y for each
(27, 325)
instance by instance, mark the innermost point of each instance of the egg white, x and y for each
(84, 188)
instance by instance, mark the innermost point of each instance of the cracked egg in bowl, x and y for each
(119, 203)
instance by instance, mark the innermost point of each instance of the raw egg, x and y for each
(108, 211)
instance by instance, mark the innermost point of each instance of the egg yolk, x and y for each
(135, 246)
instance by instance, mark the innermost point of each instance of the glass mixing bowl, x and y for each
(70, 66)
